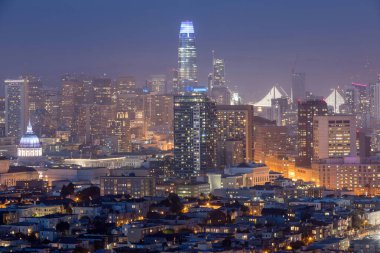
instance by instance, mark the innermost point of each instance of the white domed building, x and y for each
(30, 148)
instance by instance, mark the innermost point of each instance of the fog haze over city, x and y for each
(333, 42)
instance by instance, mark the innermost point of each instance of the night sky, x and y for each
(335, 42)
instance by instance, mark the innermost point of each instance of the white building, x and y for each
(75, 173)
(110, 163)
(334, 136)
(30, 145)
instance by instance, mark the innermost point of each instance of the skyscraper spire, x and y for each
(187, 56)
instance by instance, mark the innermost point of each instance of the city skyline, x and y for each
(189, 126)
(260, 46)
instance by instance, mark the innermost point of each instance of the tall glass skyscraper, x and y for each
(187, 57)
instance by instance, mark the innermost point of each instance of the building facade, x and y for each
(298, 86)
(234, 134)
(137, 187)
(306, 112)
(16, 107)
(194, 135)
(272, 141)
(334, 136)
(352, 173)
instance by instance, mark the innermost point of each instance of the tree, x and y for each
(62, 227)
(297, 245)
(79, 249)
(174, 202)
(244, 210)
(217, 217)
(226, 243)
(67, 190)
(153, 215)
(90, 193)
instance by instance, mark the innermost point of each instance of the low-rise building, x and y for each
(352, 173)
(134, 186)
(192, 189)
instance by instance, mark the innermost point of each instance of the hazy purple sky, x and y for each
(335, 41)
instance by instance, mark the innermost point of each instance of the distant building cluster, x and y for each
(105, 164)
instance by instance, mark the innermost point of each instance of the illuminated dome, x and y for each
(30, 145)
(30, 139)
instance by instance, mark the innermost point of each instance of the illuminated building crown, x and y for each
(30, 139)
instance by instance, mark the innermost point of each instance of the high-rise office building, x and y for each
(71, 99)
(363, 105)
(125, 84)
(52, 105)
(219, 91)
(334, 136)
(349, 102)
(16, 107)
(306, 112)
(218, 72)
(102, 91)
(278, 107)
(272, 141)
(2, 117)
(156, 84)
(120, 128)
(235, 124)
(158, 111)
(376, 101)
(175, 81)
(194, 135)
(298, 86)
(35, 94)
(187, 56)
(221, 95)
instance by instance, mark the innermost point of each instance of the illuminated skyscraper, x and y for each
(71, 98)
(306, 112)
(363, 105)
(234, 134)
(272, 143)
(35, 94)
(16, 107)
(157, 84)
(102, 91)
(187, 56)
(125, 84)
(376, 101)
(218, 72)
(349, 102)
(194, 135)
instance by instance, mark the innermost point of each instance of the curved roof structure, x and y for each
(275, 92)
(335, 100)
(30, 139)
